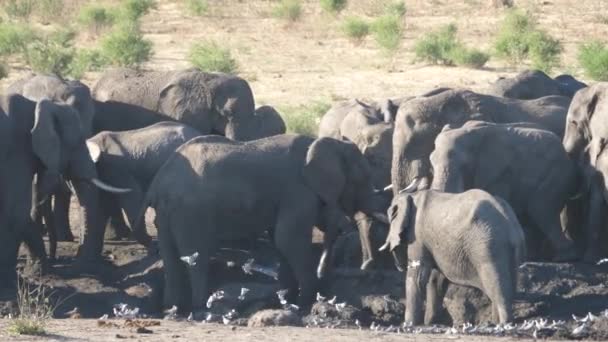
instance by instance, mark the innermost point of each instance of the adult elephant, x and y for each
(212, 103)
(420, 120)
(130, 159)
(213, 188)
(534, 84)
(584, 140)
(77, 96)
(45, 139)
(526, 166)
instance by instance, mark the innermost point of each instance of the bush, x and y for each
(126, 46)
(304, 119)
(35, 310)
(86, 60)
(19, 9)
(211, 57)
(593, 58)
(197, 7)
(96, 18)
(290, 10)
(387, 31)
(396, 8)
(51, 10)
(469, 57)
(333, 6)
(14, 38)
(519, 39)
(443, 47)
(51, 54)
(135, 9)
(355, 29)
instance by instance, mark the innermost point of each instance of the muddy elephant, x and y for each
(526, 166)
(534, 84)
(42, 139)
(78, 96)
(471, 238)
(420, 120)
(213, 189)
(130, 159)
(584, 141)
(212, 103)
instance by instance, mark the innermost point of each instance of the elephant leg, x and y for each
(415, 285)
(61, 213)
(435, 291)
(593, 225)
(288, 280)
(131, 204)
(293, 238)
(498, 285)
(364, 226)
(118, 229)
(32, 237)
(175, 273)
(547, 220)
(46, 211)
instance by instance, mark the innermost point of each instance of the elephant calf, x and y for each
(526, 166)
(472, 238)
(131, 159)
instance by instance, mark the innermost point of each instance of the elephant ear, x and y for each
(400, 224)
(45, 140)
(491, 147)
(94, 150)
(324, 169)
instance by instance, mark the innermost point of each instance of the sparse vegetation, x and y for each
(396, 8)
(443, 47)
(19, 9)
(356, 29)
(387, 31)
(51, 54)
(126, 46)
(197, 7)
(519, 39)
(35, 309)
(211, 57)
(96, 18)
(3, 70)
(14, 37)
(50, 10)
(86, 60)
(593, 58)
(290, 10)
(135, 9)
(304, 119)
(333, 6)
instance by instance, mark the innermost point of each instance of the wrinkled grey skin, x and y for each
(584, 141)
(420, 120)
(43, 139)
(78, 96)
(522, 164)
(568, 85)
(268, 122)
(527, 85)
(214, 189)
(212, 103)
(471, 238)
(130, 160)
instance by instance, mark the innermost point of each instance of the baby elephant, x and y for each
(471, 238)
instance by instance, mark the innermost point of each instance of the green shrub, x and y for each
(396, 8)
(443, 47)
(355, 28)
(35, 310)
(519, 39)
(471, 58)
(333, 6)
(197, 7)
(51, 10)
(14, 38)
(19, 9)
(211, 57)
(304, 119)
(96, 17)
(593, 58)
(51, 54)
(290, 10)
(135, 9)
(387, 31)
(126, 46)
(86, 60)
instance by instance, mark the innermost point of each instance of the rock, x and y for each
(274, 318)
(384, 309)
(336, 312)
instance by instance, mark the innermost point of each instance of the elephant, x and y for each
(584, 140)
(212, 103)
(78, 96)
(471, 238)
(130, 159)
(42, 139)
(216, 189)
(534, 84)
(526, 166)
(420, 120)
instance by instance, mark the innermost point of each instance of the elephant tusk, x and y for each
(388, 187)
(412, 187)
(366, 264)
(322, 265)
(108, 188)
(384, 247)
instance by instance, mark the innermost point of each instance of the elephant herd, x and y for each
(464, 186)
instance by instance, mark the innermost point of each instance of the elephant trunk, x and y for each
(447, 180)
(92, 233)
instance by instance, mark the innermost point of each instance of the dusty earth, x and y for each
(292, 65)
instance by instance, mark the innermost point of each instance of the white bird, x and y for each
(340, 306)
(217, 295)
(104, 317)
(281, 294)
(602, 261)
(226, 320)
(171, 313)
(190, 260)
(589, 318)
(358, 324)
(73, 311)
(209, 317)
(581, 329)
(332, 301)
(320, 298)
(292, 307)
(190, 317)
(244, 291)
